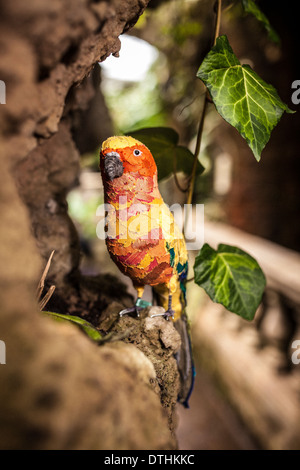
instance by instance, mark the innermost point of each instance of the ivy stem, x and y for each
(218, 20)
(202, 117)
(197, 150)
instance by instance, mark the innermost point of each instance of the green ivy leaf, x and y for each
(230, 277)
(89, 329)
(251, 7)
(169, 156)
(241, 97)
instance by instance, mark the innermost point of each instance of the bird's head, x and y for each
(124, 154)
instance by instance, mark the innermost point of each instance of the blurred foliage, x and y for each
(169, 156)
(170, 95)
(135, 104)
(82, 208)
(251, 7)
(182, 32)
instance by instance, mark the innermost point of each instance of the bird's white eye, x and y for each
(137, 152)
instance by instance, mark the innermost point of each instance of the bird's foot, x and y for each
(167, 314)
(135, 309)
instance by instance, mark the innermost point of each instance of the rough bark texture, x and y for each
(158, 340)
(58, 389)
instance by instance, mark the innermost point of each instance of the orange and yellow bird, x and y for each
(143, 238)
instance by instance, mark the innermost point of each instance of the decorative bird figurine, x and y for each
(143, 239)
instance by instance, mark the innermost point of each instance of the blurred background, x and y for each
(247, 390)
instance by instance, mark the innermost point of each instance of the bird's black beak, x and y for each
(113, 165)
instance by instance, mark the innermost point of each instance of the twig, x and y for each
(46, 297)
(218, 20)
(183, 190)
(197, 150)
(113, 336)
(41, 285)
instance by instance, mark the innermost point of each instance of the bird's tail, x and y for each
(184, 356)
(185, 362)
